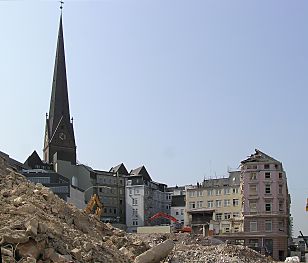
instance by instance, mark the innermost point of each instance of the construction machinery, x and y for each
(178, 226)
(96, 204)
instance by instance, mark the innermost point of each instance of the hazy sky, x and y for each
(186, 88)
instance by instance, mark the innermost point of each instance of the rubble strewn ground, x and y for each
(37, 226)
(205, 249)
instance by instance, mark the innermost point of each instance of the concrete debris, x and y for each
(294, 259)
(37, 226)
(157, 253)
(190, 248)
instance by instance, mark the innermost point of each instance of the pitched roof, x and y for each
(141, 171)
(259, 156)
(121, 169)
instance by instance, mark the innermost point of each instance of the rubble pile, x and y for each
(190, 248)
(38, 226)
(224, 253)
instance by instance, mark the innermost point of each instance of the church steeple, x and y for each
(59, 135)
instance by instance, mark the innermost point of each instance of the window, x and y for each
(236, 215)
(182, 211)
(268, 207)
(227, 202)
(240, 242)
(192, 205)
(235, 202)
(253, 226)
(235, 190)
(226, 228)
(280, 175)
(253, 176)
(192, 193)
(121, 201)
(135, 201)
(253, 243)
(199, 204)
(227, 216)
(136, 192)
(266, 166)
(218, 191)
(268, 225)
(227, 191)
(281, 226)
(209, 204)
(253, 206)
(218, 216)
(280, 189)
(253, 189)
(280, 206)
(210, 192)
(200, 193)
(135, 222)
(130, 191)
(177, 213)
(267, 188)
(267, 175)
(218, 203)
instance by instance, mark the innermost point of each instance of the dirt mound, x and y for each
(38, 226)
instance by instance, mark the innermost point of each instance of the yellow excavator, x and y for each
(94, 202)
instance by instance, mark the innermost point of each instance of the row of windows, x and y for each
(267, 208)
(260, 166)
(108, 180)
(253, 189)
(211, 192)
(226, 216)
(268, 226)
(111, 200)
(111, 190)
(216, 203)
(179, 212)
(112, 211)
(267, 175)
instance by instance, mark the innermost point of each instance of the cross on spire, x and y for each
(61, 4)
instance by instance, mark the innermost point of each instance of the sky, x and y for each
(186, 88)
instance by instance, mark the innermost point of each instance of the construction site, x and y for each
(38, 226)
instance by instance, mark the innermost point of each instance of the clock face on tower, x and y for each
(62, 136)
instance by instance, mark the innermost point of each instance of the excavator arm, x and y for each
(95, 201)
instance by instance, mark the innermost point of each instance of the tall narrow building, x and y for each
(59, 131)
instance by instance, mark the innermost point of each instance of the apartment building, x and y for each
(178, 199)
(215, 206)
(266, 205)
(144, 198)
(110, 187)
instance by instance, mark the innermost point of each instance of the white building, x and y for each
(144, 198)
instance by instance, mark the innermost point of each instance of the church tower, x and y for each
(59, 131)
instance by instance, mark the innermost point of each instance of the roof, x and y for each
(141, 171)
(13, 163)
(121, 169)
(259, 156)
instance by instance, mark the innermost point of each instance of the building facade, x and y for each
(110, 187)
(144, 198)
(266, 205)
(178, 199)
(215, 206)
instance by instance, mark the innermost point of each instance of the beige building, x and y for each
(215, 206)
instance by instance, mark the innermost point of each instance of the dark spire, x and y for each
(59, 135)
(59, 105)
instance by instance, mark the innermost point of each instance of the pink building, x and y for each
(266, 205)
